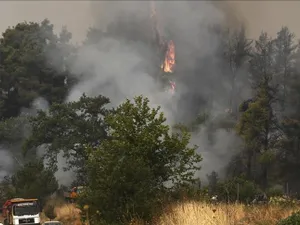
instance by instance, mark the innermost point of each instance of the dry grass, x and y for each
(195, 213)
(68, 214)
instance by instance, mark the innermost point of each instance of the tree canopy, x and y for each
(138, 162)
(27, 68)
(69, 127)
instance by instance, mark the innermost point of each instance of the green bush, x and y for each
(282, 201)
(229, 189)
(294, 219)
(275, 191)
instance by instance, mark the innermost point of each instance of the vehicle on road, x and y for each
(20, 211)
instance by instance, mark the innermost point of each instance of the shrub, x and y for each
(283, 201)
(229, 189)
(294, 219)
(275, 191)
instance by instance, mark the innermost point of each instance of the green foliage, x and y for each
(283, 201)
(130, 171)
(294, 219)
(33, 180)
(258, 128)
(237, 189)
(27, 70)
(275, 191)
(14, 129)
(213, 180)
(69, 127)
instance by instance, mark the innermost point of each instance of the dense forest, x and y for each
(231, 125)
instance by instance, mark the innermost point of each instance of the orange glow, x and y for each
(168, 65)
(169, 62)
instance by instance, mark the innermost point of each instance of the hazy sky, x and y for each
(77, 15)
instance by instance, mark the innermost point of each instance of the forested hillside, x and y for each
(231, 123)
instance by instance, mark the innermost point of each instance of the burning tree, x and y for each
(166, 48)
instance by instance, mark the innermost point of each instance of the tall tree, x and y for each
(258, 124)
(33, 180)
(289, 155)
(128, 172)
(237, 53)
(284, 61)
(30, 55)
(69, 127)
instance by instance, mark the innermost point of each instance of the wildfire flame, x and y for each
(169, 62)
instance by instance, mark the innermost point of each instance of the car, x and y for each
(53, 222)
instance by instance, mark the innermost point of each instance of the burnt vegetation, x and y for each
(126, 157)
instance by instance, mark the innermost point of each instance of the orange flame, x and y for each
(169, 62)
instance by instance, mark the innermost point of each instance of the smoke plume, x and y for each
(117, 65)
(6, 162)
(121, 65)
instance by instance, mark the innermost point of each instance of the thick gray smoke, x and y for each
(6, 162)
(120, 66)
(117, 66)
(10, 155)
(64, 177)
(10, 161)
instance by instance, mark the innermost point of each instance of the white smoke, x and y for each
(215, 155)
(39, 103)
(63, 176)
(117, 69)
(6, 163)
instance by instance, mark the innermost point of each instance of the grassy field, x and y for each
(196, 213)
(236, 214)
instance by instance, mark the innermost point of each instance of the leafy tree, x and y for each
(258, 124)
(284, 62)
(289, 155)
(33, 180)
(68, 127)
(212, 181)
(30, 55)
(237, 53)
(14, 129)
(7, 191)
(13, 132)
(128, 172)
(237, 188)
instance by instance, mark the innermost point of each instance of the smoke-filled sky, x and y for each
(77, 15)
(117, 68)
